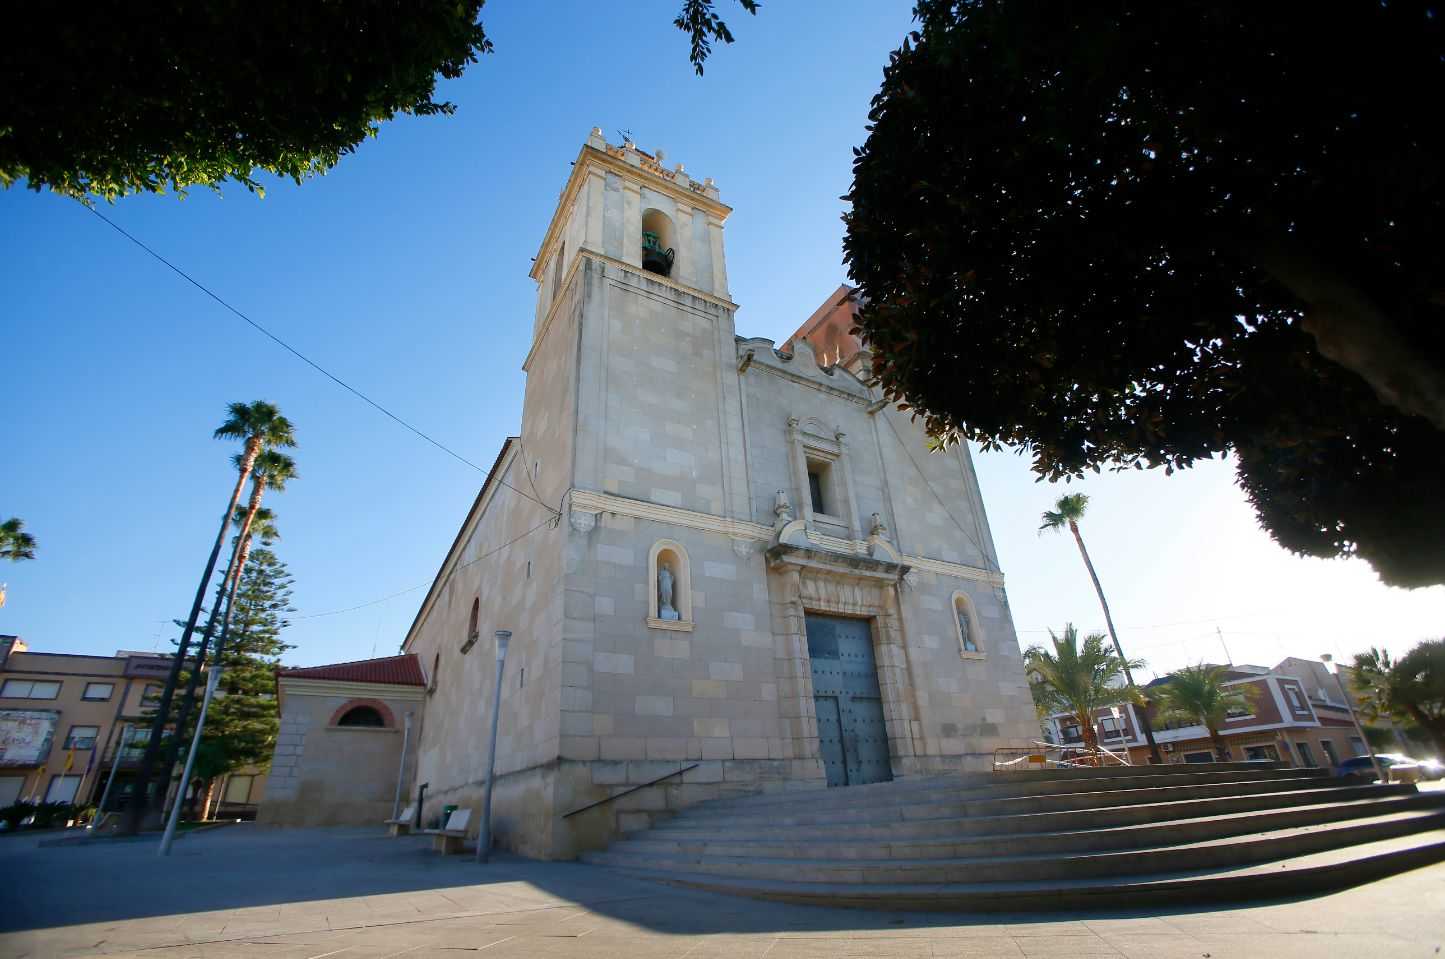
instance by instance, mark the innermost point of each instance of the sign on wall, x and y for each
(26, 735)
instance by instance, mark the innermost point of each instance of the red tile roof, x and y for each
(396, 670)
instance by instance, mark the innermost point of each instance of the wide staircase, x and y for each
(1055, 839)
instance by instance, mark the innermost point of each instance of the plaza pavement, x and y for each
(246, 891)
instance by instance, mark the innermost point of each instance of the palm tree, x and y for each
(260, 426)
(1197, 694)
(1067, 512)
(269, 468)
(1408, 690)
(15, 543)
(1078, 681)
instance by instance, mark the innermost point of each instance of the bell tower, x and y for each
(632, 266)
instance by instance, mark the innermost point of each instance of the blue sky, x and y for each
(404, 271)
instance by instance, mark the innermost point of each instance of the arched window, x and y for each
(670, 597)
(659, 240)
(470, 639)
(436, 666)
(965, 622)
(362, 716)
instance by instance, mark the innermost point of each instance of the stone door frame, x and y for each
(804, 580)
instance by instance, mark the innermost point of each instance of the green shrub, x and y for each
(13, 815)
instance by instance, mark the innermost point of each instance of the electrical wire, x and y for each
(549, 521)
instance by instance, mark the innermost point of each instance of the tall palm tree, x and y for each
(1078, 681)
(1067, 512)
(259, 426)
(1197, 694)
(269, 468)
(15, 543)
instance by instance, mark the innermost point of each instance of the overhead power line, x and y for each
(282, 343)
(549, 521)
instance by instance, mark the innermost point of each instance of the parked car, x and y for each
(1431, 769)
(1398, 768)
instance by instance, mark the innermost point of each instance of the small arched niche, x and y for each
(670, 598)
(659, 242)
(966, 627)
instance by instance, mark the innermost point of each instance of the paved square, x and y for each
(244, 891)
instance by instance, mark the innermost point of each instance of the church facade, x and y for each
(726, 567)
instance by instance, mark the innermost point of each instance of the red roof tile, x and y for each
(396, 670)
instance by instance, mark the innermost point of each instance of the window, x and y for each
(151, 696)
(362, 716)
(1329, 749)
(1111, 728)
(29, 689)
(1261, 752)
(1306, 755)
(238, 789)
(1245, 713)
(1357, 746)
(470, 639)
(98, 692)
(62, 789)
(1071, 733)
(436, 666)
(670, 597)
(1199, 757)
(970, 635)
(1296, 701)
(815, 488)
(81, 737)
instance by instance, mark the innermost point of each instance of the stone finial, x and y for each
(709, 182)
(596, 131)
(659, 156)
(679, 168)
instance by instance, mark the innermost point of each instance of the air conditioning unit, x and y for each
(1167, 747)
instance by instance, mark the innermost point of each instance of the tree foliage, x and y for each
(1197, 694)
(1126, 234)
(178, 94)
(1078, 680)
(242, 721)
(15, 543)
(1410, 690)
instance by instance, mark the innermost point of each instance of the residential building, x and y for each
(66, 720)
(726, 567)
(1283, 723)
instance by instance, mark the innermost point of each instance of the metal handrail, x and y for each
(1036, 754)
(633, 789)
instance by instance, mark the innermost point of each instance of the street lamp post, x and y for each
(1330, 667)
(170, 834)
(110, 780)
(484, 838)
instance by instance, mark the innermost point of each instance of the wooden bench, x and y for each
(449, 838)
(401, 825)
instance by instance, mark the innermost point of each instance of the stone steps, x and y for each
(1041, 840)
(1080, 836)
(1295, 876)
(808, 815)
(1018, 824)
(980, 786)
(1228, 851)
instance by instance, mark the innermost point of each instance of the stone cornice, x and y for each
(589, 158)
(585, 253)
(593, 502)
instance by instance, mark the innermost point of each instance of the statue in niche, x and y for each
(969, 646)
(665, 609)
